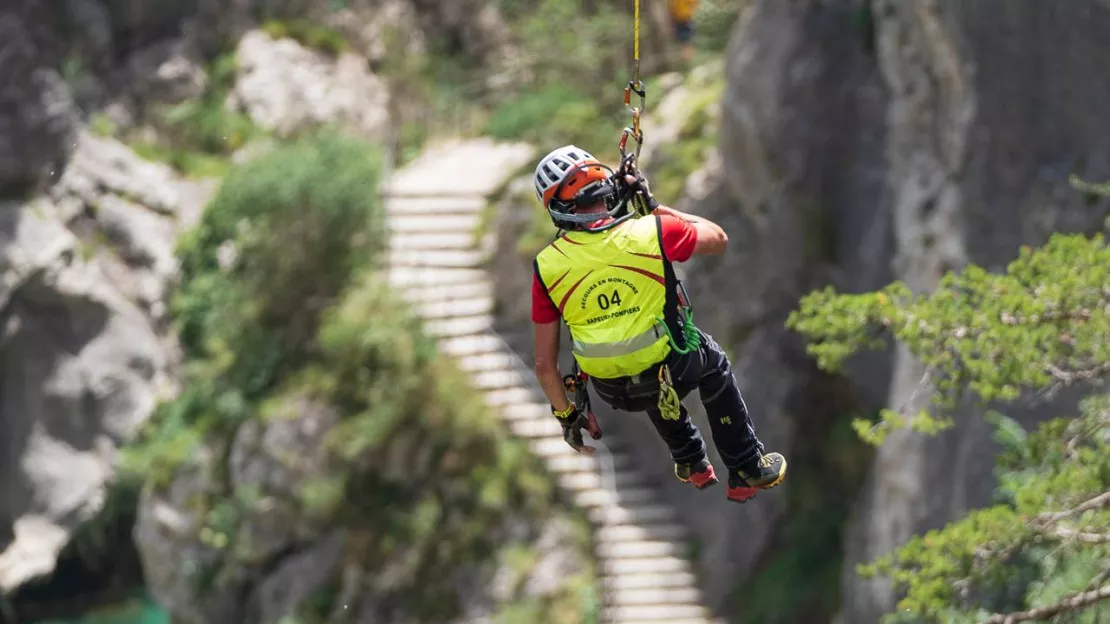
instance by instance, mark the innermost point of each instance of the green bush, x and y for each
(299, 222)
(310, 35)
(557, 115)
(714, 22)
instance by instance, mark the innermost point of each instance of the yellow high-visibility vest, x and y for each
(611, 290)
(683, 10)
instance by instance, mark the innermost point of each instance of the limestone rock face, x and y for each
(285, 87)
(38, 118)
(84, 355)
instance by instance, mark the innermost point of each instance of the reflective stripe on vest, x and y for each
(620, 348)
(610, 288)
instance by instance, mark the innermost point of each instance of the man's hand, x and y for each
(638, 185)
(573, 421)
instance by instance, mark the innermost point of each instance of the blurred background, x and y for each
(216, 406)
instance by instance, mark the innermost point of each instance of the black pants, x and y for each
(708, 370)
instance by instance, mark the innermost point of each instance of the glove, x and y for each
(573, 421)
(638, 185)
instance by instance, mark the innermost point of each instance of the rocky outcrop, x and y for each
(888, 140)
(83, 350)
(979, 160)
(38, 118)
(247, 533)
(285, 88)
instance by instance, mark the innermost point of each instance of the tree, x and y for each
(1044, 548)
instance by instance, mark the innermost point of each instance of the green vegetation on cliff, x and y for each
(284, 316)
(992, 338)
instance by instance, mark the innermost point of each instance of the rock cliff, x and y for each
(85, 269)
(868, 141)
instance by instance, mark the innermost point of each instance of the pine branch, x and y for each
(1102, 500)
(1085, 537)
(1069, 377)
(1071, 603)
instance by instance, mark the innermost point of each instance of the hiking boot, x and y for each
(700, 474)
(763, 474)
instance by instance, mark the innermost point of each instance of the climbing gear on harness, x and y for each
(670, 405)
(579, 415)
(691, 337)
(701, 474)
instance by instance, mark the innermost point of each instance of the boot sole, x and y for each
(771, 485)
(707, 484)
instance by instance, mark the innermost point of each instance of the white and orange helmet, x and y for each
(569, 177)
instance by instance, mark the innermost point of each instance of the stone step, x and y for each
(638, 532)
(434, 205)
(472, 345)
(571, 464)
(527, 412)
(497, 379)
(409, 278)
(655, 613)
(594, 480)
(511, 397)
(669, 596)
(643, 565)
(459, 326)
(454, 258)
(631, 496)
(412, 223)
(536, 428)
(551, 447)
(452, 308)
(631, 514)
(643, 549)
(497, 360)
(447, 292)
(695, 620)
(421, 241)
(634, 580)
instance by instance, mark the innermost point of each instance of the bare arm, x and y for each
(546, 355)
(712, 240)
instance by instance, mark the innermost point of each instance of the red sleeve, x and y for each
(679, 238)
(543, 308)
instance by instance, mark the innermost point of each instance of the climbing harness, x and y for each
(691, 337)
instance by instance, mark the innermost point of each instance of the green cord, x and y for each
(690, 335)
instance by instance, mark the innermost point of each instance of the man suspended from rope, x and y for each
(610, 278)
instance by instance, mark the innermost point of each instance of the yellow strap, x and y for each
(636, 41)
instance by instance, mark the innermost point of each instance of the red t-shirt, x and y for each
(679, 238)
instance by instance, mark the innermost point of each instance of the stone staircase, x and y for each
(434, 206)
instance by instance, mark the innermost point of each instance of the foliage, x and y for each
(273, 250)
(197, 136)
(993, 338)
(675, 162)
(309, 34)
(714, 22)
(558, 115)
(1039, 326)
